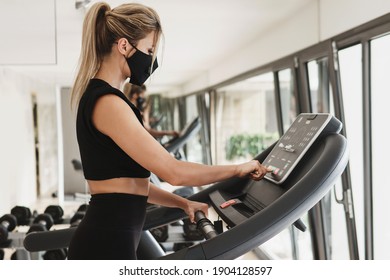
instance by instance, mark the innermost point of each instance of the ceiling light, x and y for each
(82, 3)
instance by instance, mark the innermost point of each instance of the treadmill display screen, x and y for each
(293, 145)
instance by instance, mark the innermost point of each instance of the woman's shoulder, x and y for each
(97, 87)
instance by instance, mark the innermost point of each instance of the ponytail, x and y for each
(90, 59)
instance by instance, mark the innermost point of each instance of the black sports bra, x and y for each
(101, 157)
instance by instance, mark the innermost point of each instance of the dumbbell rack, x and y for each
(14, 248)
(176, 238)
(15, 243)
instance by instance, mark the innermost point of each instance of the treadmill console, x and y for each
(292, 146)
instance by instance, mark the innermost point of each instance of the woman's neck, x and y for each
(111, 73)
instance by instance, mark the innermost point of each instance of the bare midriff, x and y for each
(137, 186)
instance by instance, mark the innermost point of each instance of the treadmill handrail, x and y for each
(48, 240)
(176, 143)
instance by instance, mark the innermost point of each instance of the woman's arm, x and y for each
(113, 117)
(160, 133)
(154, 132)
(164, 198)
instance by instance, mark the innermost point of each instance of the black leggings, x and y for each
(111, 228)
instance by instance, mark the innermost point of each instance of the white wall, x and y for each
(318, 21)
(34, 41)
(338, 16)
(17, 148)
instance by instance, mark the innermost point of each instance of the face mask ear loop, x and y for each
(134, 46)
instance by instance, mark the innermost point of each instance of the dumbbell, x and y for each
(20, 254)
(42, 222)
(83, 208)
(177, 246)
(76, 219)
(7, 223)
(56, 212)
(58, 254)
(191, 232)
(160, 233)
(22, 214)
(79, 215)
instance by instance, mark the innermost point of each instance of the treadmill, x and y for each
(306, 161)
(188, 132)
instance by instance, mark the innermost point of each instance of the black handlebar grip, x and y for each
(205, 225)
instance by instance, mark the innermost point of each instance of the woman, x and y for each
(118, 44)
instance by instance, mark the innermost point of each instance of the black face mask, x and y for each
(141, 68)
(140, 103)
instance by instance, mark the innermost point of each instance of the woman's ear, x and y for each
(123, 46)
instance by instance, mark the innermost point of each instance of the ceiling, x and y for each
(198, 35)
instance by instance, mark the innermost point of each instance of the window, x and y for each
(194, 146)
(287, 98)
(321, 98)
(350, 61)
(246, 121)
(380, 100)
(320, 94)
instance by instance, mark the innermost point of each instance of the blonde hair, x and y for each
(101, 28)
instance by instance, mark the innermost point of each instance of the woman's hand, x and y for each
(193, 206)
(253, 169)
(173, 133)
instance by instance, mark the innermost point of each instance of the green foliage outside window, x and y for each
(244, 145)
